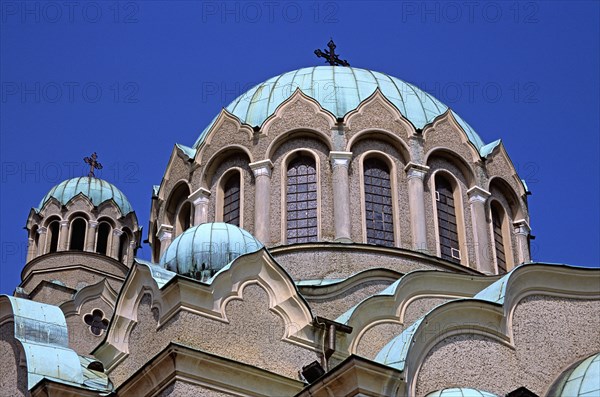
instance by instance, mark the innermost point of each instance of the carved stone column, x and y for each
(415, 174)
(340, 163)
(91, 236)
(63, 236)
(481, 235)
(116, 243)
(31, 251)
(262, 199)
(522, 231)
(165, 235)
(43, 234)
(200, 199)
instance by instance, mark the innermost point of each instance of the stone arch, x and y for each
(457, 160)
(509, 195)
(297, 133)
(217, 158)
(385, 136)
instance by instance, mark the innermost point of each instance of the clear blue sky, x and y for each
(131, 79)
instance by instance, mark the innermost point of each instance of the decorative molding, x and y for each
(414, 170)
(478, 194)
(340, 159)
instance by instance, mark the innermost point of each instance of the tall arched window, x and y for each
(53, 229)
(123, 245)
(497, 217)
(78, 227)
(183, 217)
(301, 200)
(103, 234)
(446, 217)
(231, 199)
(378, 203)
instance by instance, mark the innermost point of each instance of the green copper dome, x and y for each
(202, 250)
(581, 381)
(460, 392)
(96, 190)
(339, 90)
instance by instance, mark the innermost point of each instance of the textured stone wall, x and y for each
(549, 335)
(252, 336)
(73, 278)
(342, 263)
(183, 389)
(13, 377)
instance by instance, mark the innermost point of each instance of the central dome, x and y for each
(339, 90)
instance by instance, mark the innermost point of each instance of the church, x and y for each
(334, 231)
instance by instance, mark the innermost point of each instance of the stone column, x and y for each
(481, 235)
(522, 231)
(262, 199)
(165, 235)
(43, 234)
(200, 199)
(340, 164)
(116, 242)
(63, 236)
(31, 251)
(90, 244)
(415, 173)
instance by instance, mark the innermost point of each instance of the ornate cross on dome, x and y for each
(93, 164)
(330, 56)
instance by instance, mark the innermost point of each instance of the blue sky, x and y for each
(130, 79)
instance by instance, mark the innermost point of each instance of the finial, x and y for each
(330, 56)
(93, 164)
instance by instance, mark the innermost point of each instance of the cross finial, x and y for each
(93, 164)
(330, 56)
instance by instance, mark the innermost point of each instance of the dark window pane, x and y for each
(378, 203)
(447, 229)
(301, 206)
(231, 200)
(498, 241)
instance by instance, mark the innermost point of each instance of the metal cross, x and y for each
(330, 56)
(93, 164)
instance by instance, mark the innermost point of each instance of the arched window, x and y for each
(497, 218)
(301, 200)
(378, 203)
(183, 217)
(78, 227)
(446, 217)
(103, 234)
(123, 246)
(231, 199)
(53, 229)
(155, 244)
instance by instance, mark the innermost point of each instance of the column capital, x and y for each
(477, 194)
(340, 159)
(522, 227)
(117, 232)
(414, 170)
(93, 224)
(164, 232)
(261, 168)
(200, 195)
(64, 223)
(42, 230)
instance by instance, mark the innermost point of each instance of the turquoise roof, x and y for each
(581, 381)
(202, 250)
(339, 90)
(41, 329)
(460, 392)
(96, 190)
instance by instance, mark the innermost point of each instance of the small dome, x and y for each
(460, 392)
(96, 190)
(581, 380)
(202, 250)
(339, 90)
